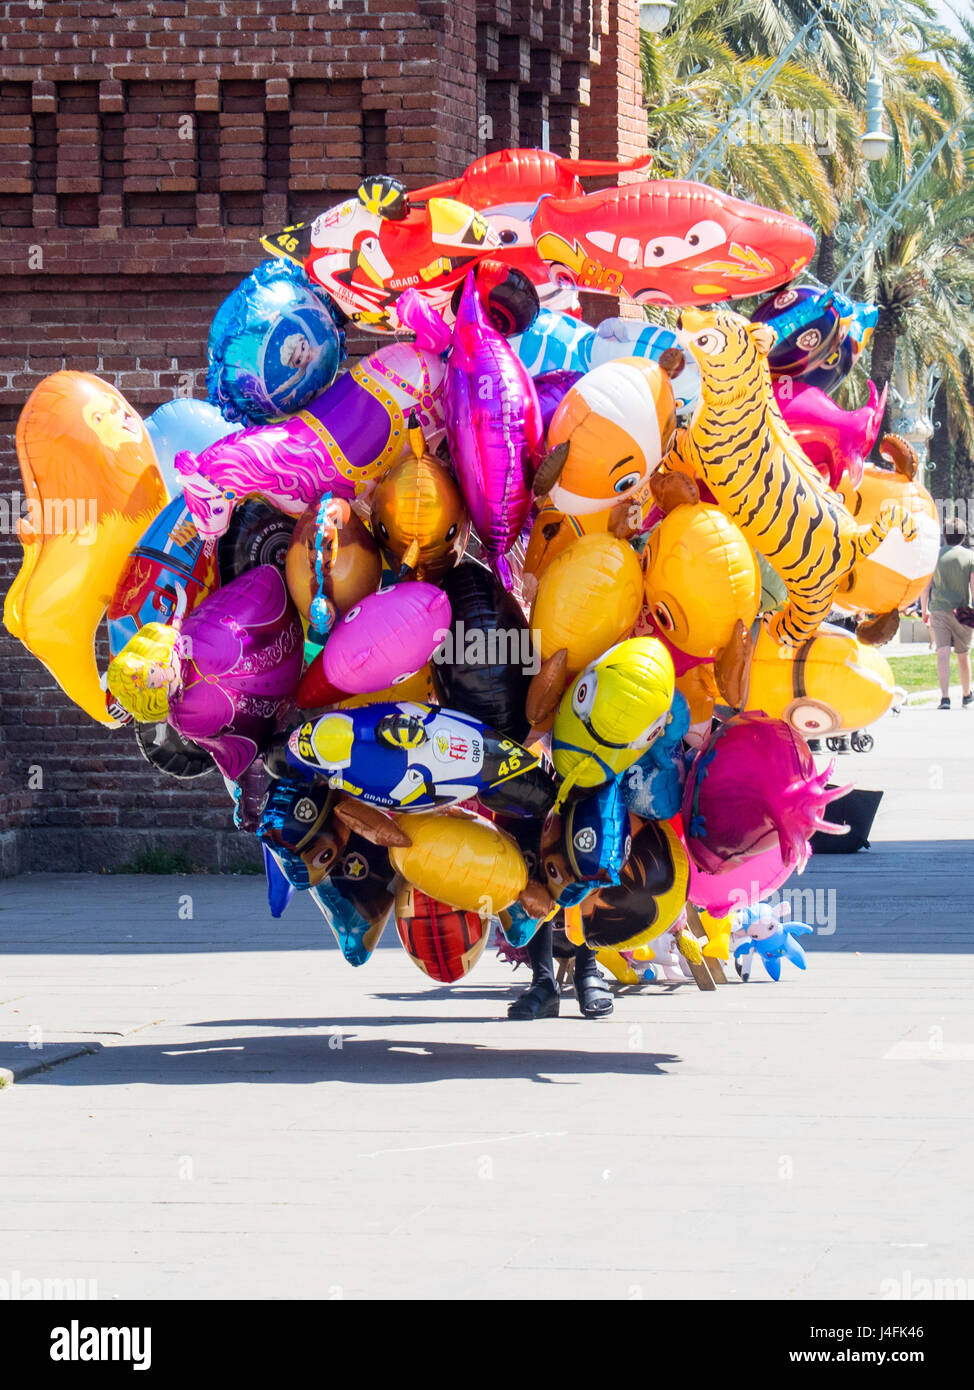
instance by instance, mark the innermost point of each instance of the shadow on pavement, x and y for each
(295, 1059)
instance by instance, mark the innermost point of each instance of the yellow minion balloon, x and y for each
(830, 684)
(612, 712)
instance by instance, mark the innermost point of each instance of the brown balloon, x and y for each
(351, 563)
(418, 515)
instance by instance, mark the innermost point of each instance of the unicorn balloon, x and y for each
(344, 438)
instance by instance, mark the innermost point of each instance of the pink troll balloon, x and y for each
(837, 441)
(493, 423)
(753, 787)
(386, 637)
(740, 885)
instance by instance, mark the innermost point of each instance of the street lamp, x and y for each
(874, 143)
(654, 15)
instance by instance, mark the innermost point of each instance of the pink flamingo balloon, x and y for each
(493, 423)
(837, 441)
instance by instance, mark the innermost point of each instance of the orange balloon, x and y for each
(92, 486)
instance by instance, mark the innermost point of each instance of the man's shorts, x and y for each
(948, 632)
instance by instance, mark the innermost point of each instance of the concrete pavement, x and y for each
(210, 1103)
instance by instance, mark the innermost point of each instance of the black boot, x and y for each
(541, 999)
(591, 990)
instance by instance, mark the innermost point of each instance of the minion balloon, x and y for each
(613, 711)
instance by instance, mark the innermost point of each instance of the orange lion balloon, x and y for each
(92, 486)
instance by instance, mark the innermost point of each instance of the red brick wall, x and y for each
(142, 150)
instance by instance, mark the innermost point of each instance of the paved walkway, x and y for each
(237, 1113)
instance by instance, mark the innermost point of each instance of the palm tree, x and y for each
(922, 279)
(698, 71)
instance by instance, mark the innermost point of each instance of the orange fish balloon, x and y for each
(607, 437)
(92, 486)
(418, 514)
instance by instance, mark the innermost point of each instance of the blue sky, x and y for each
(963, 7)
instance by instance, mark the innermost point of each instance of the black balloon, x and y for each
(487, 664)
(168, 751)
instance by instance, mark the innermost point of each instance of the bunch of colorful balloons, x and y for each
(475, 630)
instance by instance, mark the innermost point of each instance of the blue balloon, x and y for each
(279, 887)
(274, 343)
(184, 424)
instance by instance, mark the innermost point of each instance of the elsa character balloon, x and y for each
(274, 343)
(222, 675)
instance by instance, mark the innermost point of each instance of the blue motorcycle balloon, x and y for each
(274, 343)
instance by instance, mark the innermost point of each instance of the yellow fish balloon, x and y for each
(612, 712)
(418, 514)
(701, 578)
(588, 598)
(462, 860)
(92, 486)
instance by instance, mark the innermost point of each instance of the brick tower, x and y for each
(142, 151)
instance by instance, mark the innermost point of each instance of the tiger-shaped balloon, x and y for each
(739, 445)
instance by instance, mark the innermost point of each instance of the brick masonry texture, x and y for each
(143, 148)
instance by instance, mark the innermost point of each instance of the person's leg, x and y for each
(943, 671)
(540, 1000)
(591, 990)
(964, 667)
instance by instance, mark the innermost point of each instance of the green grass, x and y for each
(157, 861)
(920, 672)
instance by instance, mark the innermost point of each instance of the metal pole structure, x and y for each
(709, 157)
(854, 267)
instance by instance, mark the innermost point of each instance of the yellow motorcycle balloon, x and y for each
(611, 713)
(92, 487)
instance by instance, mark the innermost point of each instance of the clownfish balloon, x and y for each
(607, 437)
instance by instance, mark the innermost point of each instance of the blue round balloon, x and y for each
(184, 423)
(274, 343)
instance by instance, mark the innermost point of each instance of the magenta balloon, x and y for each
(753, 786)
(493, 422)
(243, 648)
(837, 441)
(386, 637)
(741, 885)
